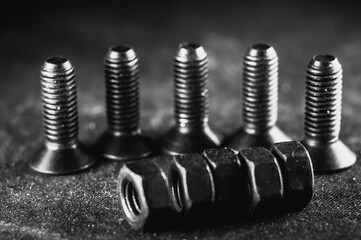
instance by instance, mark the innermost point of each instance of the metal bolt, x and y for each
(62, 152)
(323, 115)
(123, 139)
(191, 133)
(260, 100)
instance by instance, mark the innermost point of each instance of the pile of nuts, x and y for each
(257, 171)
(219, 182)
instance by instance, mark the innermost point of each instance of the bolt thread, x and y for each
(323, 99)
(122, 96)
(190, 80)
(60, 113)
(260, 87)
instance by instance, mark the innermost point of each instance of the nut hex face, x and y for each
(145, 195)
(193, 140)
(59, 160)
(125, 147)
(264, 177)
(228, 180)
(242, 138)
(297, 172)
(192, 185)
(329, 157)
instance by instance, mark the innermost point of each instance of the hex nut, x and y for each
(145, 195)
(264, 180)
(228, 180)
(192, 185)
(297, 173)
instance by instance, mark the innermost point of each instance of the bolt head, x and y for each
(181, 141)
(54, 159)
(125, 147)
(329, 157)
(243, 139)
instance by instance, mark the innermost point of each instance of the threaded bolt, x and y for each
(62, 153)
(190, 80)
(191, 132)
(60, 112)
(260, 87)
(121, 83)
(323, 115)
(123, 139)
(260, 100)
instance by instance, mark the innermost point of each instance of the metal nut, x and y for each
(192, 185)
(264, 180)
(297, 173)
(228, 180)
(145, 195)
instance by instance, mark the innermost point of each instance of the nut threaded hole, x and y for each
(177, 190)
(131, 199)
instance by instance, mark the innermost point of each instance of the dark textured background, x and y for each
(86, 206)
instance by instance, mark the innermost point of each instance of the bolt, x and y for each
(323, 115)
(260, 100)
(62, 152)
(123, 139)
(191, 134)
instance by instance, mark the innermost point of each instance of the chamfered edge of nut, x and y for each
(194, 175)
(150, 212)
(262, 200)
(297, 171)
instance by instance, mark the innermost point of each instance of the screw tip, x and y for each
(121, 52)
(325, 61)
(190, 51)
(55, 63)
(262, 50)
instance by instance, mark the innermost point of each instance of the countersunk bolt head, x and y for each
(260, 101)
(191, 134)
(62, 152)
(123, 140)
(323, 115)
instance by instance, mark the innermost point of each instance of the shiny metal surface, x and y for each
(323, 115)
(260, 101)
(191, 133)
(123, 139)
(297, 174)
(145, 195)
(62, 153)
(264, 180)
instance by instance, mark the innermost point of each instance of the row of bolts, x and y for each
(62, 153)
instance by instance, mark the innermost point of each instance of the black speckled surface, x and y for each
(85, 206)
